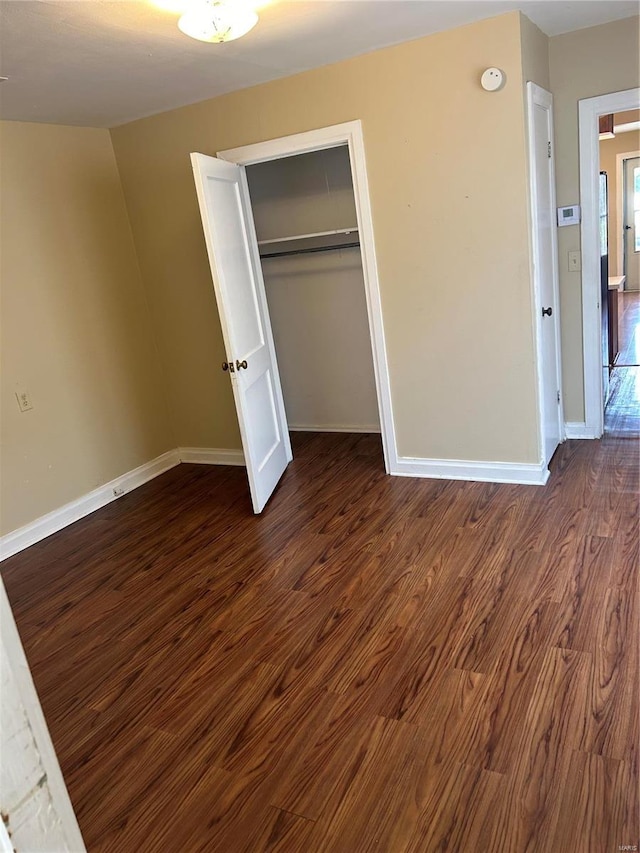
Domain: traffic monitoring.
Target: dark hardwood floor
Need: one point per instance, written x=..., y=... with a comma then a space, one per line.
x=375, y=663
x=622, y=412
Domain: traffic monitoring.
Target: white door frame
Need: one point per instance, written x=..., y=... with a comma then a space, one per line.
x=350, y=134
x=39, y=817
x=589, y=110
x=620, y=204
x=537, y=95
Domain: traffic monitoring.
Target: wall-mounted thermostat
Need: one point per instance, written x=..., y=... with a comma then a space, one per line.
x=569, y=215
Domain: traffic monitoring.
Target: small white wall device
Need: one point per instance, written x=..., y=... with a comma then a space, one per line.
x=493, y=79
x=569, y=215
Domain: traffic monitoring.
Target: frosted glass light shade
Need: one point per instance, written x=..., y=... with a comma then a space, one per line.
x=218, y=20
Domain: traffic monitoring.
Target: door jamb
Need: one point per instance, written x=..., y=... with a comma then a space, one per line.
x=620, y=203
x=350, y=134
x=538, y=95
x=589, y=109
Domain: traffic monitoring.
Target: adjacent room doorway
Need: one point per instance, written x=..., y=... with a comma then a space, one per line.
x=589, y=112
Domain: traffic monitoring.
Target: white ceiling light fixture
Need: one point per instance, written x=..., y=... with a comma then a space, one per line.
x=216, y=21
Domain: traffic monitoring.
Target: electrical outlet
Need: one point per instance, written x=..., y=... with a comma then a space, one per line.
x=24, y=401
x=574, y=262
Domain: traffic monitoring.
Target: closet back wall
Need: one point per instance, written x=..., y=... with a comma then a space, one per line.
x=316, y=301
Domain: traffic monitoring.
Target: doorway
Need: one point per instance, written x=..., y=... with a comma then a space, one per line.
x=619, y=137
x=348, y=135
x=594, y=300
x=305, y=219
x=622, y=412
x=234, y=254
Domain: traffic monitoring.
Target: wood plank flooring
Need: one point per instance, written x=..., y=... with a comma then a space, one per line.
x=375, y=663
x=622, y=413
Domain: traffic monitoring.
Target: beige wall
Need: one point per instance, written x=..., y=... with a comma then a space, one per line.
x=535, y=54
x=76, y=332
x=623, y=143
x=447, y=175
x=583, y=64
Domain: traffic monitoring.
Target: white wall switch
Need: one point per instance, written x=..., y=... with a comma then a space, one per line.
x=24, y=401
x=575, y=264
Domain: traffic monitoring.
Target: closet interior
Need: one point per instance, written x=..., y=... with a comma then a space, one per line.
x=305, y=217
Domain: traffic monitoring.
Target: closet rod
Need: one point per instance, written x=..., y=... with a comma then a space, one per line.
x=345, y=231
x=310, y=249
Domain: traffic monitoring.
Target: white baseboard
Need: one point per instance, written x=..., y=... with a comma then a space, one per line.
x=334, y=428
x=577, y=429
x=210, y=456
x=50, y=523
x=44, y=526
x=450, y=469
x=489, y=472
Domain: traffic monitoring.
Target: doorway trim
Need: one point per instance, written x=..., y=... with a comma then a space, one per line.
x=620, y=204
x=350, y=134
x=589, y=110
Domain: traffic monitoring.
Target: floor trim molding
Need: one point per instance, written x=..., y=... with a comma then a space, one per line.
x=210, y=456
x=484, y=472
x=578, y=429
x=53, y=521
x=357, y=428
x=449, y=469
x=44, y=526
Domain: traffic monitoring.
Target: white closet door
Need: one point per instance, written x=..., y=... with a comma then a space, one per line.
x=237, y=279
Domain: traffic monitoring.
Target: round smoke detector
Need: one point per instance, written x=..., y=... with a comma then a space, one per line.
x=493, y=80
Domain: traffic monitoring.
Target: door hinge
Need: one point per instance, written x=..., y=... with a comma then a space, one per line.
x=549, y=149
x=558, y=398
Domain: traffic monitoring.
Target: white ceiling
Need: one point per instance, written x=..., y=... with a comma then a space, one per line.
x=103, y=63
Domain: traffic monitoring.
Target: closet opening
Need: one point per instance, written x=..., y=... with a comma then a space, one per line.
x=309, y=198
x=289, y=235
x=304, y=212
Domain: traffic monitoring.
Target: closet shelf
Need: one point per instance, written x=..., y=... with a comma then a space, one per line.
x=303, y=244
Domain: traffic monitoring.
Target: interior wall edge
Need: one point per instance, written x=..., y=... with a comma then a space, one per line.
x=171, y=426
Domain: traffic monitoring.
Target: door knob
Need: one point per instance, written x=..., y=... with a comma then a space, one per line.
x=241, y=364
x=547, y=312
x=627, y=228
x=228, y=366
